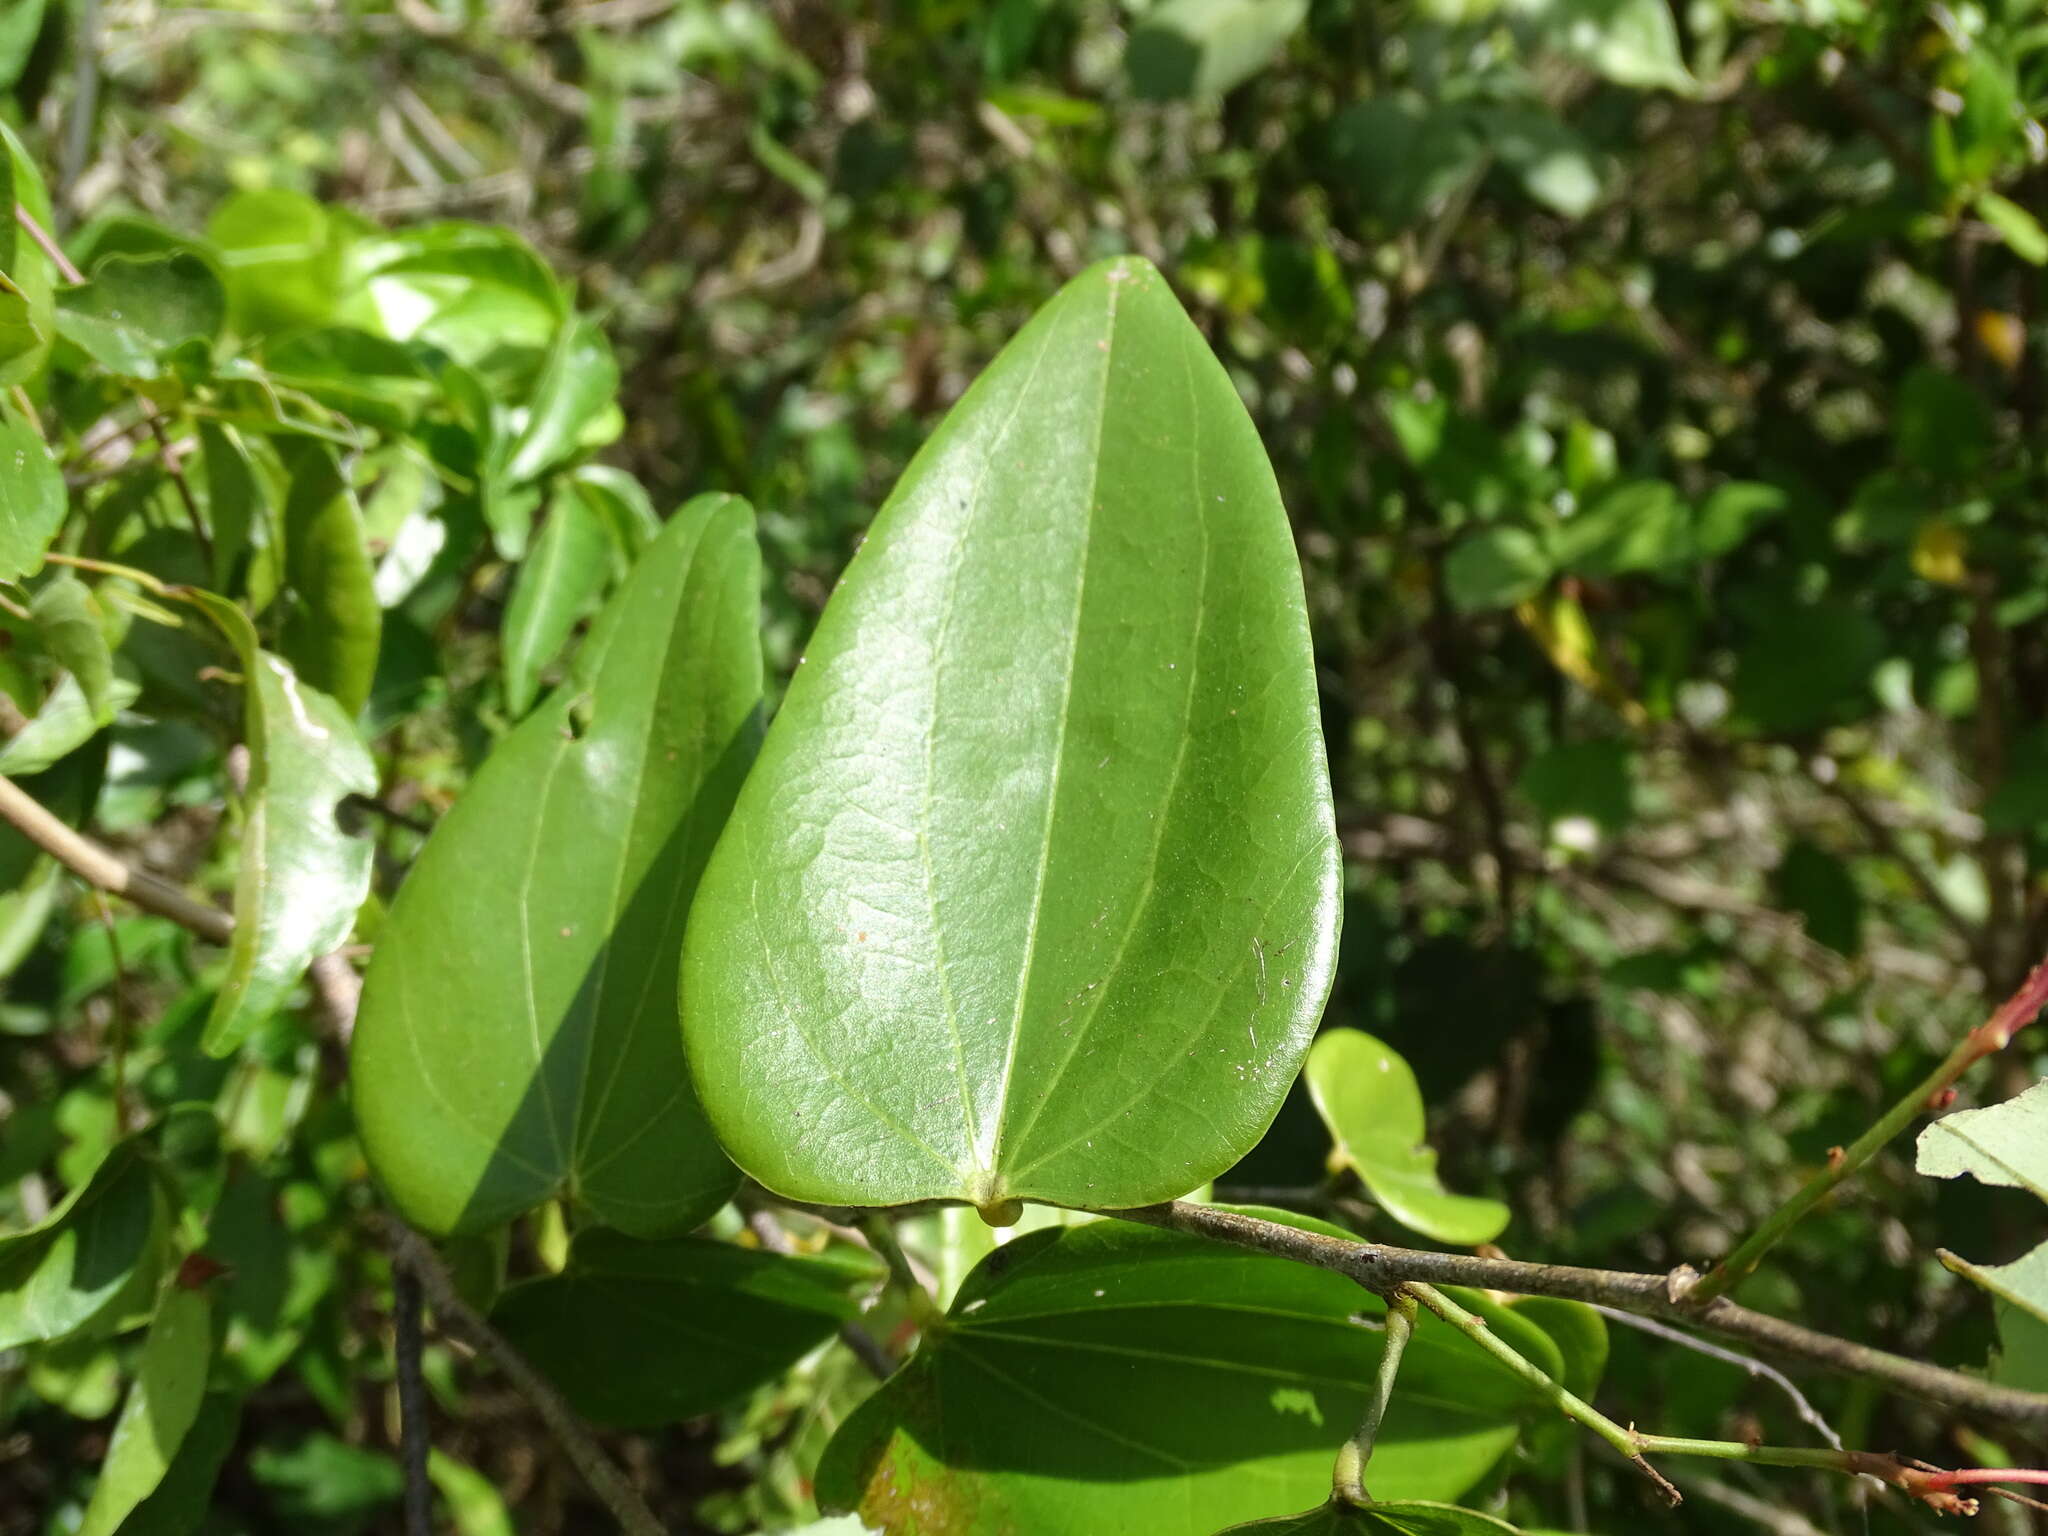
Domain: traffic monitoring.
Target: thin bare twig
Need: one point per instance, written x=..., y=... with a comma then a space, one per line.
x=1746, y=1363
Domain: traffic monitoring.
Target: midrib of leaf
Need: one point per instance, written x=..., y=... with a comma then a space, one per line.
x=1150, y=885
x=978, y=503
x=991, y=1157
x=525, y=925
x=556, y=552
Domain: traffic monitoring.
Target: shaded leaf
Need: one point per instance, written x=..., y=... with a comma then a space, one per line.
x=556, y=582
x=956, y=948
x=302, y=873
x=724, y=1320
x=1184, y=48
x=517, y=1038
x=334, y=623
x=1631, y=42
x=1640, y=526
x=76, y=1266
x=160, y=1409
x=64, y=723
x=1114, y=1378
x=1496, y=567
x=1805, y=666
x=1369, y=1100
x=1818, y=886
x=68, y=621
x=236, y=502
x=183, y=1496
x=1594, y=779
x=32, y=501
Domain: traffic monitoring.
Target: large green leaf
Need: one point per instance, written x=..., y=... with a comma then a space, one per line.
x=1111, y=1378
x=302, y=873
x=517, y=1037
x=334, y=623
x=721, y=1319
x=1033, y=893
x=1408, y=1517
x=1369, y=1100
x=76, y=1267
x=556, y=582
x=32, y=500
x=160, y=1409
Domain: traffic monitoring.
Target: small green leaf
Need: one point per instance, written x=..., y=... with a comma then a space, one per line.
x=1405, y=1517
x=1732, y=512
x=1115, y=1378
x=1205, y=48
x=517, y=1036
x=1369, y=1100
x=556, y=583
x=28, y=312
x=575, y=387
x=282, y=253
x=621, y=503
x=1819, y=887
x=76, y=1266
x=181, y=1500
x=334, y=623
x=726, y=1318
x=160, y=1409
x=2018, y=228
x=1640, y=526
x=302, y=875
x=20, y=25
x=1594, y=779
x=1631, y=42
x=474, y=1505
x=1039, y=851
x=1496, y=567
x=32, y=501
x=68, y=621
x=134, y=311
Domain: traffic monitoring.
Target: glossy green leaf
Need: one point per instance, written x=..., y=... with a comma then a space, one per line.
x=68, y=621
x=1039, y=852
x=1407, y=1517
x=64, y=724
x=161, y=1407
x=1114, y=1378
x=134, y=311
x=517, y=1037
x=236, y=502
x=334, y=623
x=721, y=1319
x=557, y=581
x=470, y=289
x=1495, y=568
x=621, y=504
x=1186, y=48
x=1368, y=1098
x=75, y=1267
x=183, y=1496
x=302, y=873
x=32, y=500
x=572, y=396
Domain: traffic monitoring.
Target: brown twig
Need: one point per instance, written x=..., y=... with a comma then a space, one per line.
x=411, y=1252
x=1379, y=1267
x=97, y=867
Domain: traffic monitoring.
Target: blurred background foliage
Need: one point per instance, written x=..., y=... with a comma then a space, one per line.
x=1657, y=392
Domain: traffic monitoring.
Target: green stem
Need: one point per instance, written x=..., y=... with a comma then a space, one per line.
x=1348, y=1483
x=1572, y=1406
x=881, y=1236
x=1993, y=1035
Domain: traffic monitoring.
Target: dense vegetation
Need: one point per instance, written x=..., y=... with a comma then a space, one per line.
x=412, y=412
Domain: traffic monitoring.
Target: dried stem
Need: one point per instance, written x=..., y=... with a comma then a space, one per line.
x=101, y=869
x=1931, y=1092
x=410, y=1251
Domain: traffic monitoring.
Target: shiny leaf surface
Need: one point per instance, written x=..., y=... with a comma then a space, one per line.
x=75, y=1266
x=32, y=500
x=1033, y=893
x=161, y=1408
x=560, y=576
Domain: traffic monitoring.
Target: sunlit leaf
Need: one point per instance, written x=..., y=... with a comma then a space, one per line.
x=134, y=311
x=1368, y=1098
x=334, y=623
x=557, y=581
x=32, y=500
x=80, y=1263
x=160, y=1409
x=1207, y=47
x=1039, y=852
